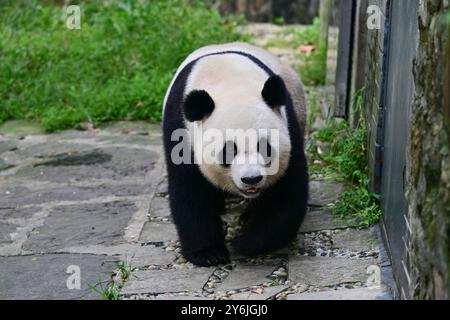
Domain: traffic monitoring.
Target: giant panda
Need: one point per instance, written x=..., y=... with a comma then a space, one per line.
x=235, y=86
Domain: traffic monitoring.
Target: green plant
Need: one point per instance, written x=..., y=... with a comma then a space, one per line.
x=117, y=66
x=125, y=270
x=279, y=21
x=313, y=66
x=314, y=69
x=111, y=291
x=342, y=152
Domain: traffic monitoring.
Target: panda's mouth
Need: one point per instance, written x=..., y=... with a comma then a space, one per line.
x=252, y=191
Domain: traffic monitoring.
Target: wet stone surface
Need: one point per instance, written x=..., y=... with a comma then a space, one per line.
x=44, y=276
x=73, y=198
x=75, y=225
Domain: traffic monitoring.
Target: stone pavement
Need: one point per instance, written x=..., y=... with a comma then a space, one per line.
x=94, y=198
x=72, y=199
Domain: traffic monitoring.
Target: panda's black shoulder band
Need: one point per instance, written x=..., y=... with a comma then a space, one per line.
x=198, y=105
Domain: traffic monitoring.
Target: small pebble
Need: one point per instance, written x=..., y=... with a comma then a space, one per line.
x=258, y=290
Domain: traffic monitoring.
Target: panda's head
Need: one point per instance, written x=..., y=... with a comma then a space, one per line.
x=245, y=145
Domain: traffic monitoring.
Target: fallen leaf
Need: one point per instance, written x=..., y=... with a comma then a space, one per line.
x=307, y=49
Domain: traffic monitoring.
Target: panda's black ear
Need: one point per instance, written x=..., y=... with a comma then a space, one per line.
x=198, y=105
x=275, y=92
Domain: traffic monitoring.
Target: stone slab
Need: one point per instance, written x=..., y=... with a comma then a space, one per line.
x=31, y=193
x=267, y=293
x=323, y=193
x=130, y=139
x=7, y=145
x=84, y=224
x=165, y=281
x=6, y=229
x=356, y=240
x=10, y=212
x=158, y=232
x=319, y=220
x=324, y=271
x=179, y=297
x=4, y=165
x=345, y=294
x=44, y=276
x=159, y=207
x=97, y=163
x=163, y=187
x=150, y=255
x=246, y=275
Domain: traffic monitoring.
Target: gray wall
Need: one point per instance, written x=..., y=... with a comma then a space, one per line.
x=427, y=155
x=428, y=168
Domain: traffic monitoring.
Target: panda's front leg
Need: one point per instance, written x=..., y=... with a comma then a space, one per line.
x=196, y=207
x=274, y=219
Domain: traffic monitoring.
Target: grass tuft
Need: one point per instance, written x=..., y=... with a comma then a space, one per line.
x=110, y=289
x=340, y=151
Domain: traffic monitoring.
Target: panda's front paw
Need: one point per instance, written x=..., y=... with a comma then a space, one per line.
x=247, y=247
x=208, y=257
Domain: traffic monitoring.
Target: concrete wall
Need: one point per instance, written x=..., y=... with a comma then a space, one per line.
x=428, y=168
x=372, y=72
x=428, y=154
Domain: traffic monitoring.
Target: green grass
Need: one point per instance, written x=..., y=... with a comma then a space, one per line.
x=118, y=66
x=110, y=289
x=342, y=154
x=313, y=69
x=107, y=290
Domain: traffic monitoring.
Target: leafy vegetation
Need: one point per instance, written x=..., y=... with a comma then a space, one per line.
x=111, y=291
x=107, y=290
x=117, y=66
x=341, y=152
x=313, y=68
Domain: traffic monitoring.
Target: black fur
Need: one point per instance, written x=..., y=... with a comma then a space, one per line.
x=198, y=105
x=275, y=92
x=273, y=219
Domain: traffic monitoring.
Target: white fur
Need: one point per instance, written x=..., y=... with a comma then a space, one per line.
x=290, y=77
x=235, y=84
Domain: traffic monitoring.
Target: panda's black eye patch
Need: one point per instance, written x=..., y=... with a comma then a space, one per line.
x=228, y=153
x=265, y=150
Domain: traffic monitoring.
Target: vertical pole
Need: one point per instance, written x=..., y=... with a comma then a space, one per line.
x=447, y=77
x=325, y=7
x=347, y=10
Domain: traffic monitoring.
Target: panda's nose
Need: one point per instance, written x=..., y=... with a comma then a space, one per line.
x=252, y=180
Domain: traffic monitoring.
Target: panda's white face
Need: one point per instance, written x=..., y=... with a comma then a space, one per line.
x=246, y=166
x=240, y=96
x=253, y=167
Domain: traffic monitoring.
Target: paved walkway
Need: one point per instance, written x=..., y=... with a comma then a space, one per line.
x=92, y=199
x=85, y=201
